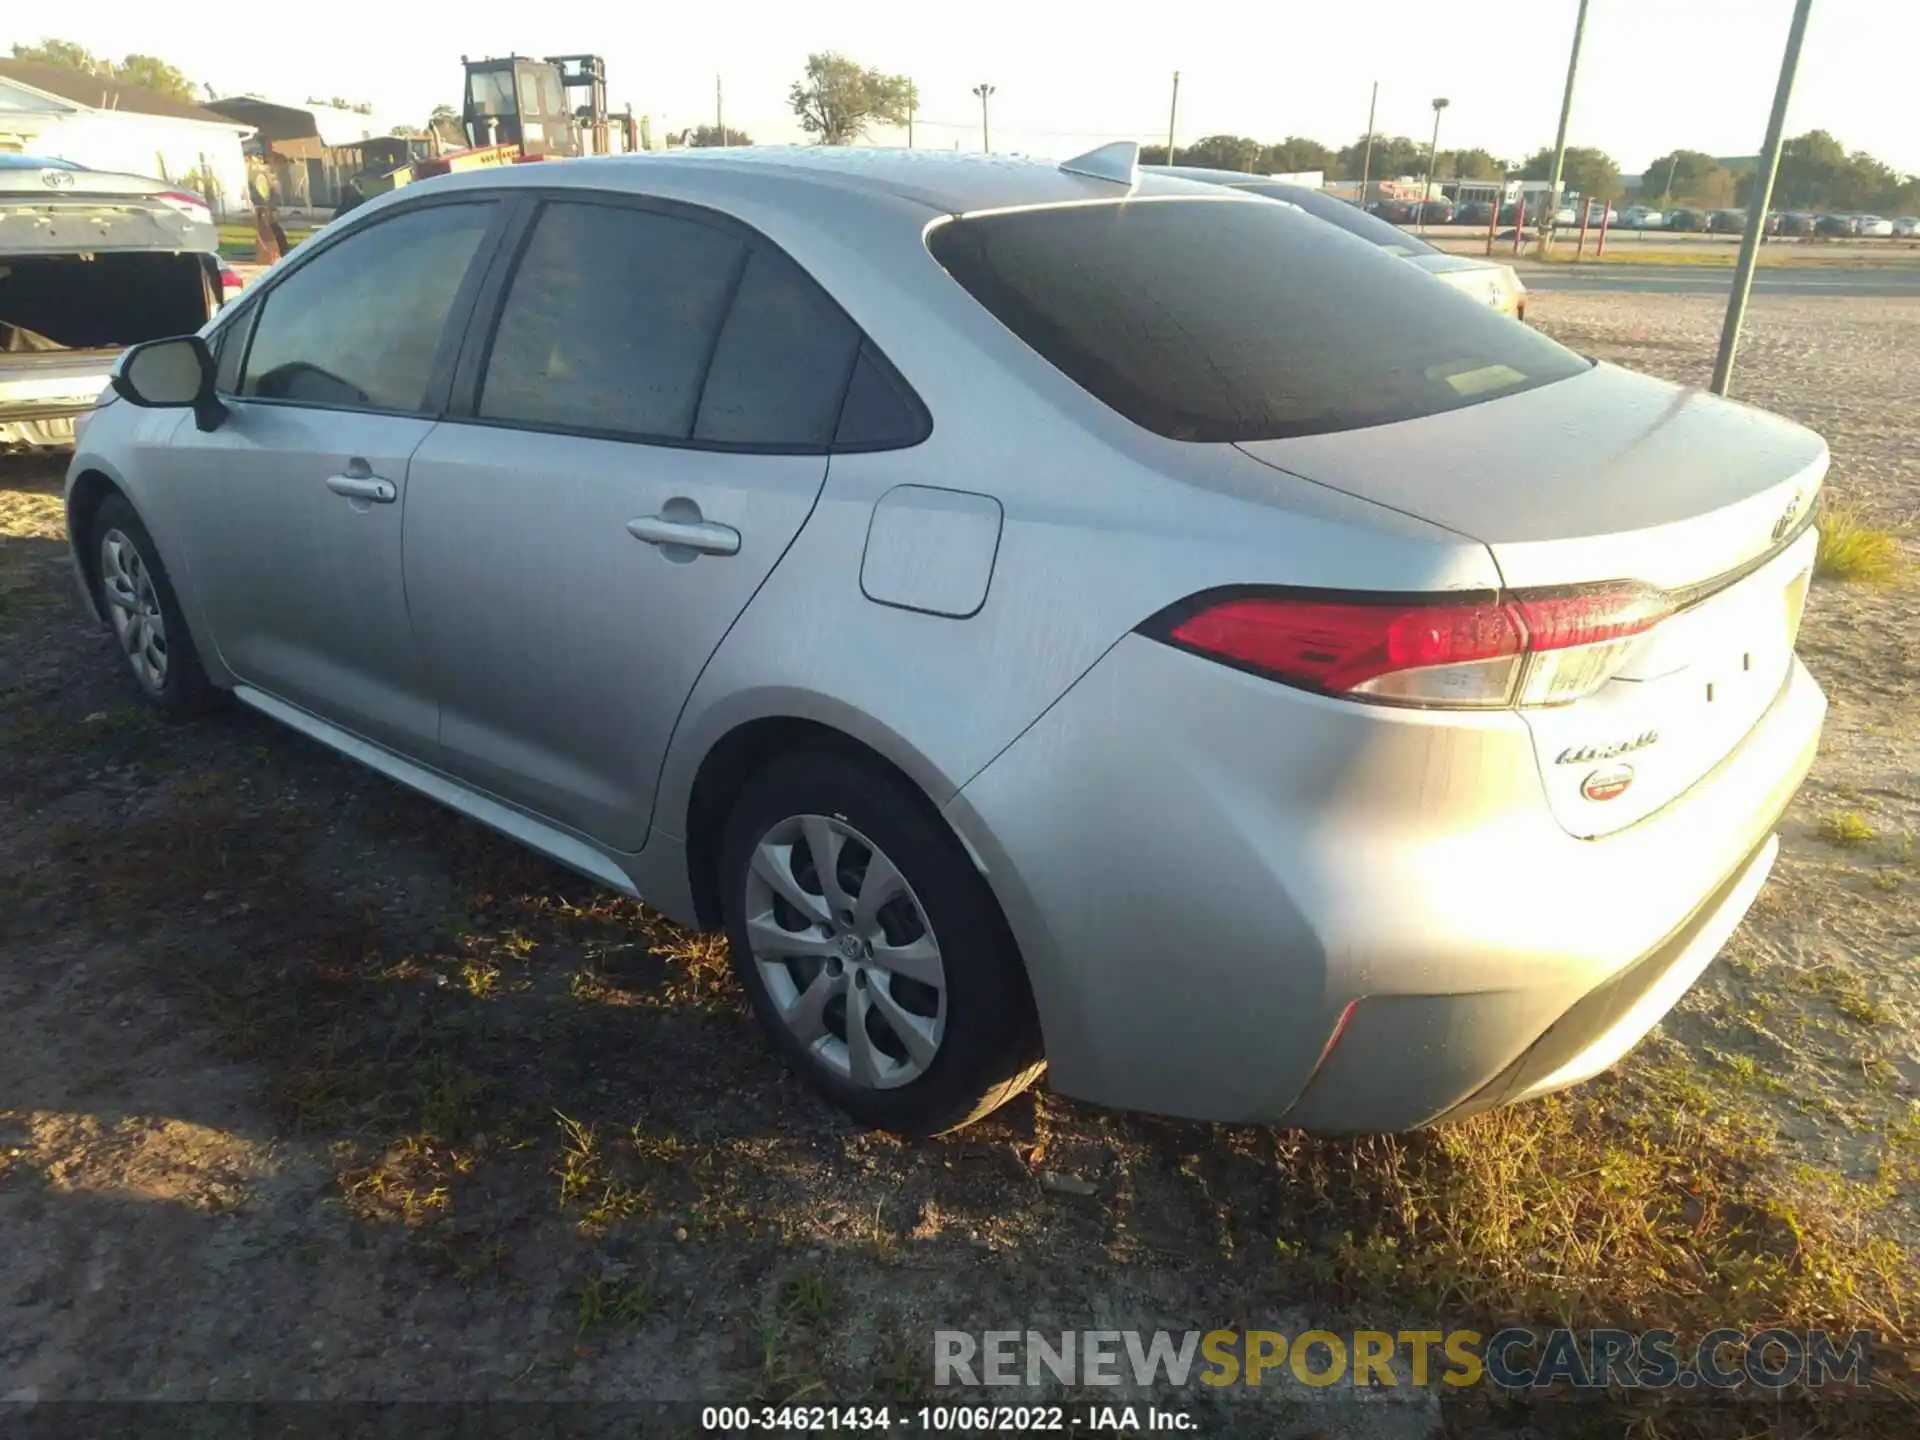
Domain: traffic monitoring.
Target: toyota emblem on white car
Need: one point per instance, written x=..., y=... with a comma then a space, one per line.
x=57, y=179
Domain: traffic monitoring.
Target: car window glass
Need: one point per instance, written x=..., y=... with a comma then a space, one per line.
x=360, y=323
x=1271, y=324
x=529, y=95
x=229, y=349
x=781, y=366
x=609, y=322
x=551, y=100
x=876, y=414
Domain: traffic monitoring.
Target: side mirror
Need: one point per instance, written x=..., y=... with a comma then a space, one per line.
x=170, y=374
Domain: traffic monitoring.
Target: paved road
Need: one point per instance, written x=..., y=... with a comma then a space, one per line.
x=1702, y=280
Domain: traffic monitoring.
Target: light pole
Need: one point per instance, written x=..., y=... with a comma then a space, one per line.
x=983, y=90
x=1366, y=157
x=1440, y=102
x=1560, y=137
x=1757, y=203
x=1173, y=110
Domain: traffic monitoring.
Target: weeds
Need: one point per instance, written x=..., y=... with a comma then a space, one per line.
x=1852, y=550
x=604, y=1304
x=1848, y=829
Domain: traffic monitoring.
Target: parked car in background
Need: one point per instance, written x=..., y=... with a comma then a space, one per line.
x=1394, y=212
x=1473, y=212
x=1642, y=217
x=1872, y=225
x=91, y=261
x=1907, y=226
x=1726, y=222
x=1797, y=223
x=1688, y=221
x=1835, y=225
x=1339, y=759
x=1485, y=280
x=1433, y=212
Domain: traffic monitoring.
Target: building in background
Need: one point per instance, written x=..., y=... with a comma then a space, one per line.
x=109, y=125
x=311, y=151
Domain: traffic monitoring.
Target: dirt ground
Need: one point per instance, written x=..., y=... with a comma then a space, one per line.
x=311, y=1090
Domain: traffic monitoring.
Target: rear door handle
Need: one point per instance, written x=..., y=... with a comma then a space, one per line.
x=363, y=487
x=706, y=536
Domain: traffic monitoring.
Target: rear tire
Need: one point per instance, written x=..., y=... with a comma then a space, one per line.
x=136, y=597
x=893, y=987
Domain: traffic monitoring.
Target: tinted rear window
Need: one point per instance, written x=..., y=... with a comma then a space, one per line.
x=1230, y=320
x=1350, y=218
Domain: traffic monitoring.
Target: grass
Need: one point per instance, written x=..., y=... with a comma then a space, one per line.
x=1853, y=550
x=237, y=241
x=1848, y=829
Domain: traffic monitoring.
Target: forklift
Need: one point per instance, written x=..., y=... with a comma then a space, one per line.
x=529, y=104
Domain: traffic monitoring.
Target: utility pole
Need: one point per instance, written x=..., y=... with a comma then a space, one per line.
x=1440, y=102
x=983, y=90
x=1673, y=168
x=1366, y=158
x=1173, y=111
x=1560, y=137
x=1757, y=203
x=913, y=104
x=719, y=119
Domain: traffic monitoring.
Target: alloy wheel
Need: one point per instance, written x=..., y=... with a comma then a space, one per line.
x=134, y=607
x=845, y=950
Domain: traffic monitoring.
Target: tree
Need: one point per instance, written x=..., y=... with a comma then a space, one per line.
x=1587, y=172
x=1393, y=156
x=64, y=53
x=1469, y=165
x=443, y=114
x=839, y=100
x=1221, y=152
x=152, y=73
x=1687, y=177
x=703, y=136
x=1293, y=155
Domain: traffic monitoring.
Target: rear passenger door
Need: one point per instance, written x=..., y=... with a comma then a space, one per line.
x=640, y=425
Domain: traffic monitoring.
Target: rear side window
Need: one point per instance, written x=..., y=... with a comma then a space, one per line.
x=359, y=325
x=1232, y=320
x=610, y=321
x=781, y=366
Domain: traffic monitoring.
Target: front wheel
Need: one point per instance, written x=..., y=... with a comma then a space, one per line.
x=871, y=949
x=138, y=600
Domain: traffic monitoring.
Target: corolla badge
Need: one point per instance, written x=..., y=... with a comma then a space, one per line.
x=1785, y=522
x=1587, y=754
x=1608, y=783
x=57, y=179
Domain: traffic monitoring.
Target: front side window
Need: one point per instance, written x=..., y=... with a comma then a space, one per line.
x=609, y=322
x=1225, y=320
x=490, y=92
x=359, y=325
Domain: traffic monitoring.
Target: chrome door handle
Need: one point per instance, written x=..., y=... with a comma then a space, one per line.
x=706, y=536
x=363, y=487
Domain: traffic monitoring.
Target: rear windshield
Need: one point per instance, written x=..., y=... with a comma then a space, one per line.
x=1350, y=218
x=1237, y=320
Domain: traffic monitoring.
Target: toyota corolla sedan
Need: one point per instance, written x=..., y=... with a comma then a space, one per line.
x=1042, y=614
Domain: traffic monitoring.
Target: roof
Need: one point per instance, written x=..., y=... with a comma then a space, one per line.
x=97, y=92
x=328, y=124
x=949, y=182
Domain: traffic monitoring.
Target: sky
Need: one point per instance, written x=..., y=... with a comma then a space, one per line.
x=1654, y=74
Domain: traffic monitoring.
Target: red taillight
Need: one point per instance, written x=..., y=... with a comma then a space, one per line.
x=230, y=281
x=193, y=206
x=1533, y=648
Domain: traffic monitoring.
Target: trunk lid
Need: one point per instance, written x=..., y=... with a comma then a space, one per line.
x=59, y=211
x=1613, y=476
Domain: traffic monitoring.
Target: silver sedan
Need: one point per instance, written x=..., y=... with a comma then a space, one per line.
x=1043, y=614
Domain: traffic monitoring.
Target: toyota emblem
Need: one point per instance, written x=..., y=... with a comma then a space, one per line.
x=57, y=179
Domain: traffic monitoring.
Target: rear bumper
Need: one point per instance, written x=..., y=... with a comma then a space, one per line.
x=1240, y=902
x=51, y=387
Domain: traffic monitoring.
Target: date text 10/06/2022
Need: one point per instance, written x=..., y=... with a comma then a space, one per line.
x=935, y=1419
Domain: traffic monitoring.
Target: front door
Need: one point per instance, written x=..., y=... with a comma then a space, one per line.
x=293, y=508
x=647, y=434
